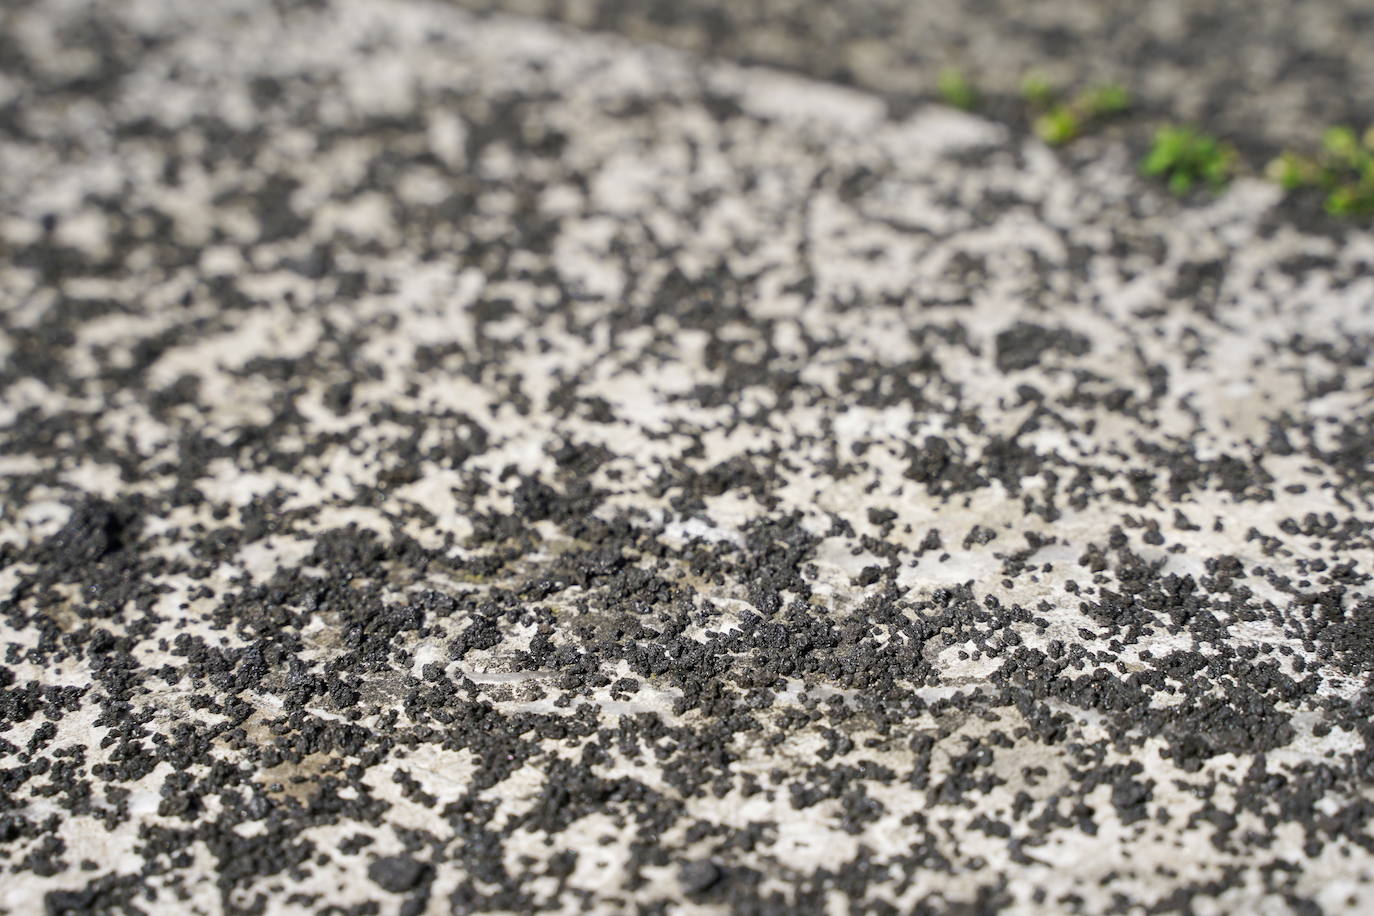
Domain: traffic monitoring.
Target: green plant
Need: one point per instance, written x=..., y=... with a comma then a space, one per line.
x=956, y=90
x=1062, y=123
x=1355, y=199
x=1344, y=170
x=1038, y=91
x=1342, y=145
x=1106, y=100
x=1186, y=157
x=1292, y=171
x=1058, y=126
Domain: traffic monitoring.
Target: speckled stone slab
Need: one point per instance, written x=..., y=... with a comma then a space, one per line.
x=1259, y=71
x=459, y=465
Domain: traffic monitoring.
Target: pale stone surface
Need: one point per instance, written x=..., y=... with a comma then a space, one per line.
x=465, y=465
x=1268, y=71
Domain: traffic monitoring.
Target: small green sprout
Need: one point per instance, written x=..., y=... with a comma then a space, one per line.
x=1104, y=101
x=1342, y=145
x=1038, y=91
x=1344, y=170
x=1186, y=157
x=1058, y=126
x=1350, y=200
x=1354, y=198
x=1292, y=171
x=956, y=90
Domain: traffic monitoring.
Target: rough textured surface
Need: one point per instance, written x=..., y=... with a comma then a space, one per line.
x=462, y=466
x=1262, y=71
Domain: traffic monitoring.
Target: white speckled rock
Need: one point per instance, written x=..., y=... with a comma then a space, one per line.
x=460, y=465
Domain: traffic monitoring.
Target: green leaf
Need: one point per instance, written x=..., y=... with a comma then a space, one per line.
x=1184, y=157
x=1292, y=171
x=1037, y=90
x=1341, y=143
x=1106, y=100
x=1340, y=202
x=1058, y=126
x=956, y=90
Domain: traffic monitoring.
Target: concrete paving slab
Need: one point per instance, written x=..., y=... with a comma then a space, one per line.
x=458, y=464
x=1270, y=72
